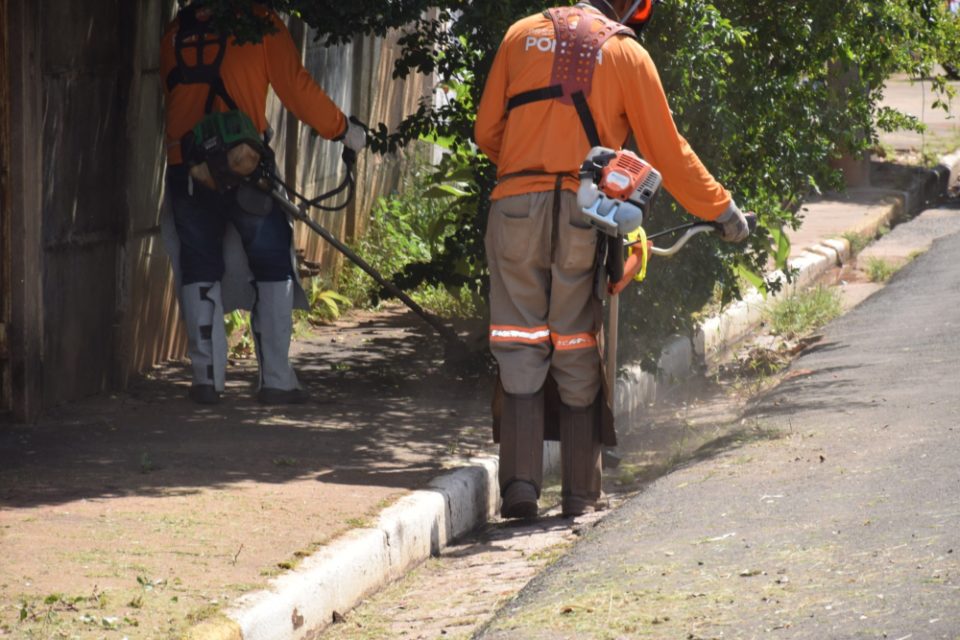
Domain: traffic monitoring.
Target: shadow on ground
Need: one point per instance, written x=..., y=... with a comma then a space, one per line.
x=384, y=410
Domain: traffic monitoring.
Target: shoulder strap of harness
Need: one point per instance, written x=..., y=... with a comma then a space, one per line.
x=580, y=35
x=199, y=35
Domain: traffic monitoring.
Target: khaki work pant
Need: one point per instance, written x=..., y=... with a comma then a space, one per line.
x=544, y=316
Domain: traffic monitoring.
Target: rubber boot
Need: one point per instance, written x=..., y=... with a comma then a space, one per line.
x=521, y=454
x=580, y=458
x=202, y=309
x=272, y=324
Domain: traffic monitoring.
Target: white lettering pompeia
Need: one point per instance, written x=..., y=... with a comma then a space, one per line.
x=546, y=44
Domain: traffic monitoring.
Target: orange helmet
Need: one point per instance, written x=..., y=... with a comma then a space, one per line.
x=639, y=14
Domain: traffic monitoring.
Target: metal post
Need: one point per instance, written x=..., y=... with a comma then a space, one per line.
x=613, y=321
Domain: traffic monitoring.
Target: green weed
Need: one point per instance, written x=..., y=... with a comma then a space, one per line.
x=879, y=270
x=239, y=334
x=358, y=523
x=326, y=304
x=805, y=311
x=857, y=241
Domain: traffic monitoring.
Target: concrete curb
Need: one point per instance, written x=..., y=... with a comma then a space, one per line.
x=300, y=604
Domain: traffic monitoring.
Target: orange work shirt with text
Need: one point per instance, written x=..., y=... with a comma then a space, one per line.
x=248, y=70
x=547, y=136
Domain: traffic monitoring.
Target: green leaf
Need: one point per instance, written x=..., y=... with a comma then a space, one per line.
x=755, y=279
x=445, y=191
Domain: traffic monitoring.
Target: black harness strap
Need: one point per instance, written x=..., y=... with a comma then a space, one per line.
x=556, y=91
x=535, y=95
x=200, y=73
x=586, y=118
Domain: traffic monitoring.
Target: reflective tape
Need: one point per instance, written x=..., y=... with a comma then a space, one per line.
x=573, y=342
x=535, y=335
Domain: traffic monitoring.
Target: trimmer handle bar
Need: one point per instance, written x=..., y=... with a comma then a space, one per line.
x=690, y=230
x=635, y=262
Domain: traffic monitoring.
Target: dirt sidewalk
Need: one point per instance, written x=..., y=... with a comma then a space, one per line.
x=138, y=514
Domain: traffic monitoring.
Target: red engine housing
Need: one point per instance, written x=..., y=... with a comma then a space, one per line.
x=623, y=174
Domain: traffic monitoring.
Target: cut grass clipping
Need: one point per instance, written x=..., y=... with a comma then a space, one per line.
x=804, y=312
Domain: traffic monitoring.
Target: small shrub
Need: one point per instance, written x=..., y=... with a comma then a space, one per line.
x=409, y=227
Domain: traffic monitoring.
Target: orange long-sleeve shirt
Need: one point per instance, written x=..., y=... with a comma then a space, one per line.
x=626, y=95
x=247, y=71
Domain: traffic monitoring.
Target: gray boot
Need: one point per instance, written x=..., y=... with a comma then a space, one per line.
x=202, y=309
x=272, y=324
x=580, y=458
x=521, y=454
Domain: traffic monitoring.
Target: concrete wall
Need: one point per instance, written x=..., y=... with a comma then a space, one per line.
x=91, y=295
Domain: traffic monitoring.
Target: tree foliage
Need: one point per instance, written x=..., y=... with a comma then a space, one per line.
x=767, y=93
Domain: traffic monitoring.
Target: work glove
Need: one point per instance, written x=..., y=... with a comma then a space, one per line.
x=355, y=137
x=734, y=224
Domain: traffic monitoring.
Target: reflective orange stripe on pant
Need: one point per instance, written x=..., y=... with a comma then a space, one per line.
x=573, y=342
x=538, y=335
x=522, y=335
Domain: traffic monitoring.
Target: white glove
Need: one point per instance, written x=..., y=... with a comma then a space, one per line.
x=734, y=223
x=355, y=137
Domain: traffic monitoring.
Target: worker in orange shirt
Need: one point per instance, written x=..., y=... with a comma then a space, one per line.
x=224, y=256
x=563, y=82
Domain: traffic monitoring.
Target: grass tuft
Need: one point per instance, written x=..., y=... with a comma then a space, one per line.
x=804, y=312
x=879, y=270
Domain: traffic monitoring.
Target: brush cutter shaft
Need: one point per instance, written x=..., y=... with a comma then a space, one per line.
x=302, y=216
x=691, y=232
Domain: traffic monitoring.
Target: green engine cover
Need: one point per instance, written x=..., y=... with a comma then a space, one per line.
x=226, y=130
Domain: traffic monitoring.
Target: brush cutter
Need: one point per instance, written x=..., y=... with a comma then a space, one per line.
x=641, y=247
x=456, y=350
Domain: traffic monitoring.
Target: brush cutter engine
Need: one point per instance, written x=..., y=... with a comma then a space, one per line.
x=617, y=190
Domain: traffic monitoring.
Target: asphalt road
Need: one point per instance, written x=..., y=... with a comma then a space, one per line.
x=834, y=513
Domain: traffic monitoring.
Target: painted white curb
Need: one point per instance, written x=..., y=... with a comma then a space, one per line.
x=301, y=603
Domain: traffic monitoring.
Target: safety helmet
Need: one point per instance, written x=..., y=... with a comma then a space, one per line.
x=636, y=16
x=639, y=14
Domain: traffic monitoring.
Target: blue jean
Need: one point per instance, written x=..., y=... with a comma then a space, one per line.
x=201, y=221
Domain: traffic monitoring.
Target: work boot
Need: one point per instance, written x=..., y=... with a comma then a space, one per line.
x=521, y=454
x=202, y=311
x=580, y=459
x=272, y=323
x=266, y=395
x=203, y=394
